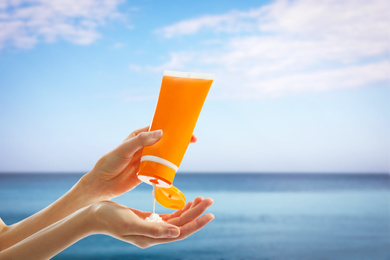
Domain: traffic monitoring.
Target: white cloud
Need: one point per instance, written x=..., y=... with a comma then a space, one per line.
x=231, y=22
x=23, y=23
x=347, y=77
x=290, y=47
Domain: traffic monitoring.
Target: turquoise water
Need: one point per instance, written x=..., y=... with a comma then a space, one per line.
x=263, y=216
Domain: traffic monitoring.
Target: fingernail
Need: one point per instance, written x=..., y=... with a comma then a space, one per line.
x=173, y=232
x=157, y=133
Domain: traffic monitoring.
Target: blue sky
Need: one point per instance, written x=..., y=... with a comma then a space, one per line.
x=301, y=86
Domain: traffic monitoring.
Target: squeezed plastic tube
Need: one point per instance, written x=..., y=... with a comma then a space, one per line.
x=180, y=101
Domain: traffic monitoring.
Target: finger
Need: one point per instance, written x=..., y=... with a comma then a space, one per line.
x=130, y=146
x=197, y=200
x=130, y=172
x=177, y=213
x=133, y=166
x=194, y=138
x=137, y=156
x=194, y=226
x=154, y=230
x=184, y=209
x=185, y=231
x=136, y=132
x=192, y=213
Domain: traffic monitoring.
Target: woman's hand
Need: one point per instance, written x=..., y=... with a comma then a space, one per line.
x=112, y=219
x=116, y=172
x=65, y=219
x=130, y=225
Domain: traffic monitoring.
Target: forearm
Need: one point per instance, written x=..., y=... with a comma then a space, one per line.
x=53, y=239
x=75, y=199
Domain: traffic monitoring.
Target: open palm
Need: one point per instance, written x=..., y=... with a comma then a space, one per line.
x=130, y=225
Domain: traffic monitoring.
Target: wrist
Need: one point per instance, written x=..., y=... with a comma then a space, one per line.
x=97, y=218
x=87, y=189
x=91, y=223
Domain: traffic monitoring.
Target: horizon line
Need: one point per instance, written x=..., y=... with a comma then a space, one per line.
x=200, y=172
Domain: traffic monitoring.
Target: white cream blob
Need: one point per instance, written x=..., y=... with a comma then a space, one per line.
x=155, y=218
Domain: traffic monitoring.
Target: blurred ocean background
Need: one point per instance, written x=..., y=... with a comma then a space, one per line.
x=300, y=86
x=258, y=216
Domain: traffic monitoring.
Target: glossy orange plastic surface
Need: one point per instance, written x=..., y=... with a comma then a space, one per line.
x=178, y=107
x=171, y=198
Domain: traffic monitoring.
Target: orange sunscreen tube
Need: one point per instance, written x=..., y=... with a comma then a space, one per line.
x=181, y=98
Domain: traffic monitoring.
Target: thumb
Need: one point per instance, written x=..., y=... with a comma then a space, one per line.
x=130, y=146
x=155, y=230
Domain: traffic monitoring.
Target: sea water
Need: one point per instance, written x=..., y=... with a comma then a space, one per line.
x=257, y=216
